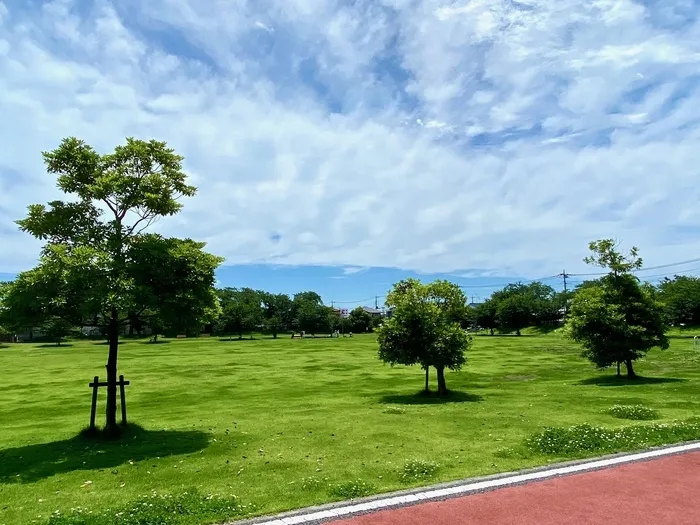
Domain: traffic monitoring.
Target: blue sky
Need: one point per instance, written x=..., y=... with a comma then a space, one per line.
x=474, y=138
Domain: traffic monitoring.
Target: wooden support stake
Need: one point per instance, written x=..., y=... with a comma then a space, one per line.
x=123, y=398
x=93, y=409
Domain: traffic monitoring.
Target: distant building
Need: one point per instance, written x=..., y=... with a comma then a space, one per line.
x=374, y=312
x=342, y=312
x=474, y=305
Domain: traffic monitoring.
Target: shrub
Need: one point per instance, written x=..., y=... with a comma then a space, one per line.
x=352, y=489
x=160, y=509
x=636, y=412
x=510, y=453
x=586, y=438
x=310, y=483
x=416, y=470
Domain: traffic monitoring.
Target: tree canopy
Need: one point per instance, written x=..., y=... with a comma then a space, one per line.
x=424, y=328
x=616, y=320
x=681, y=297
x=360, y=320
x=98, y=266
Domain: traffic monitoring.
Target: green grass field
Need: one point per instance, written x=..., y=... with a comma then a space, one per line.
x=280, y=423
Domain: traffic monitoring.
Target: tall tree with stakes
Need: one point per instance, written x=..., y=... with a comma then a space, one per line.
x=98, y=266
x=615, y=319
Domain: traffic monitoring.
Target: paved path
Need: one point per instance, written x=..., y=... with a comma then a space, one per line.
x=655, y=492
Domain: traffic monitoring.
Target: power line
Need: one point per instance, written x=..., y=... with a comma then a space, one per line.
x=359, y=301
x=660, y=266
x=564, y=275
x=527, y=281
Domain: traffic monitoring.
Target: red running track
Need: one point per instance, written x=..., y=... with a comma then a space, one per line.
x=656, y=492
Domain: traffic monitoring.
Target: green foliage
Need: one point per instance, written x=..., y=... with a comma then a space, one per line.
x=515, y=313
x=418, y=470
x=518, y=306
x=635, y=412
x=352, y=489
x=616, y=320
x=360, y=321
x=311, y=483
x=425, y=327
x=309, y=314
x=486, y=315
x=188, y=508
x=681, y=298
x=97, y=266
x=241, y=310
x=605, y=253
x=580, y=439
x=277, y=312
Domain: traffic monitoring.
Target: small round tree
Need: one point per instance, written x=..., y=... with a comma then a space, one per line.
x=616, y=320
x=425, y=328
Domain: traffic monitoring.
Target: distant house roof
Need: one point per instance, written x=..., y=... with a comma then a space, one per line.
x=474, y=305
x=370, y=310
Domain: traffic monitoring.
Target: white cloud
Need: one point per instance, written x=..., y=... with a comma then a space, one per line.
x=292, y=119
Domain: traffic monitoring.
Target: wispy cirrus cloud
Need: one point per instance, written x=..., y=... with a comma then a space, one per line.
x=431, y=136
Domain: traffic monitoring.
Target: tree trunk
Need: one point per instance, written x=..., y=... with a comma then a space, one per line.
x=442, y=386
x=630, y=370
x=618, y=369
x=517, y=332
x=491, y=331
x=427, y=376
x=111, y=422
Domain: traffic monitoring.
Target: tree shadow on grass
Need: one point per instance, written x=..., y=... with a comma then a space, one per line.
x=158, y=342
x=54, y=345
x=495, y=335
x=430, y=398
x=35, y=462
x=105, y=343
x=624, y=381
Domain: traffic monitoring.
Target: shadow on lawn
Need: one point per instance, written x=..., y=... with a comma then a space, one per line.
x=430, y=398
x=54, y=345
x=35, y=462
x=624, y=381
x=521, y=336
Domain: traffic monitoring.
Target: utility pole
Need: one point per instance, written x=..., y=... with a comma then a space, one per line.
x=376, y=303
x=564, y=276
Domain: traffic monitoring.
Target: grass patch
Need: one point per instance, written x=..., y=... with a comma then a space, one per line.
x=635, y=412
x=255, y=419
x=311, y=483
x=352, y=489
x=188, y=508
x=581, y=439
x=418, y=470
x=395, y=410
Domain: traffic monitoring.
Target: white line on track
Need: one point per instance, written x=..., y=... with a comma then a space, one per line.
x=346, y=510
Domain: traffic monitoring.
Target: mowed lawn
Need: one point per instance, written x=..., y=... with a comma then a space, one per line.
x=255, y=418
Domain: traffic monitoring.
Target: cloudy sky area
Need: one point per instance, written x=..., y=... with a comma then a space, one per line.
x=471, y=138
